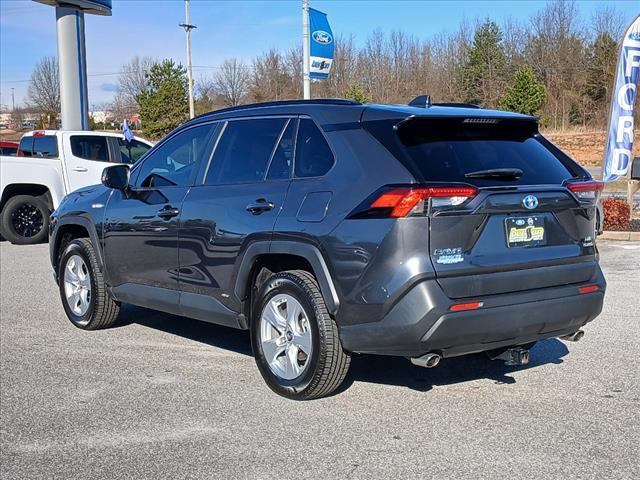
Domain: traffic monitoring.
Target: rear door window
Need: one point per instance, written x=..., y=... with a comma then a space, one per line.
x=90, y=147
x=282, y=160
x=314, y=158
x=447, y=149
x=45, y=146
x=244, y=150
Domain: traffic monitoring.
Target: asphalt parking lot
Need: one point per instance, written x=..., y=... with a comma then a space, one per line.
x=167, y=397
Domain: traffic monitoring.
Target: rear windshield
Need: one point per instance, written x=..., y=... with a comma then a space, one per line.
x=11, y=151
x=39, y=146
x=447, y=149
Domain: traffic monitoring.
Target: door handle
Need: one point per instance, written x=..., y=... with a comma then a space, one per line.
x=80, y=169
x=260, y=206
x=168, y=212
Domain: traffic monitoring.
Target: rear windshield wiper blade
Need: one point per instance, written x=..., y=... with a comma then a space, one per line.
x=497, y=173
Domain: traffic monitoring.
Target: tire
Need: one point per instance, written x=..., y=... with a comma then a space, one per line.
x=25, y=220
x=325, y=367
x=97, y=309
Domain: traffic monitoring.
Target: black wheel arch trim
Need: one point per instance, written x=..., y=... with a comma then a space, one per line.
x=307, y=251
x=55, y=238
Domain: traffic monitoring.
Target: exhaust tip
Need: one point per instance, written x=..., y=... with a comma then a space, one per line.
x=573, y=337
x=428, y=360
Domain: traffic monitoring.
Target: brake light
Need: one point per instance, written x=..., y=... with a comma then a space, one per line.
x=407, y=200
x=586, y=190
x=39, y=133
x=461, y=307
x=589, y=289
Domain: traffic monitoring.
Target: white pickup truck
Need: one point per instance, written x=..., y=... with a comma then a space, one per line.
x=49, y=165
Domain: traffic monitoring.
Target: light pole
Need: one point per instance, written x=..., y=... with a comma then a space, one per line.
x=187, y=28
x=13, y=100
x=72, y=57
x=306, y=81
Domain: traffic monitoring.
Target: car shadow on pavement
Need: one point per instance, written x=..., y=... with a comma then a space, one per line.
x=364, y=368
x=211, y=334
x=399, y=371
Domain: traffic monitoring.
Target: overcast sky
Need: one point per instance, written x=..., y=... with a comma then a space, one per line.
x=241, y=29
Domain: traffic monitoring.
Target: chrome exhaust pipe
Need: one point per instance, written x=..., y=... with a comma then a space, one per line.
x=573, y=337
x=428, y=360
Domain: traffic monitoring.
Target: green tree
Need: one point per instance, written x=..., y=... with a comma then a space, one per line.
x=356, y=92
x=483, y=74
x=601, y=66
x=525, y=94
x=164, y=103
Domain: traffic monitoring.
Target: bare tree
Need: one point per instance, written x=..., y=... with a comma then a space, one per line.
x=206, y=95
x=555, y=49
x=43, y=93
x=131, y=82
x=269, y=77
x=607, y=19
x=232, y=81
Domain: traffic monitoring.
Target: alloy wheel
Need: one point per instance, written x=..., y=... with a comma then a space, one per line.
x=77, y=285
x=285, y=337
x=27, y=220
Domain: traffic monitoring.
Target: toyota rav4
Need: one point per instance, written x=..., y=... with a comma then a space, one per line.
x=329, y=228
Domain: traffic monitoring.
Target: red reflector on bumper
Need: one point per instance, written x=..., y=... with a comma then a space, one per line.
x=459, y=307
x=589, y=289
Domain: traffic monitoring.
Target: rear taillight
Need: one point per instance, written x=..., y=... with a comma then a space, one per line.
x=589, y=289
x=586, y=190
x=407, y=201
x=462, y=307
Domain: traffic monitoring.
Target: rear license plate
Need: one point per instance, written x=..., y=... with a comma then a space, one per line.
x=525, y=231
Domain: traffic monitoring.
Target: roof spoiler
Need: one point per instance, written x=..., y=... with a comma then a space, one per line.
x=424, y=101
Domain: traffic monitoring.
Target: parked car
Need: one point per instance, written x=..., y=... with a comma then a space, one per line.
x=8, y=148
x=329, y=228
x=54, y=164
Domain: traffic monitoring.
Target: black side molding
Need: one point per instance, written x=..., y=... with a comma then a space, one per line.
x=307, y=251
x=187, y=304
x=54, y=240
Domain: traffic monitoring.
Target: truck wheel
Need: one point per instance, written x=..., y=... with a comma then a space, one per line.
x=295, y=341
x=82, y=288
x=25, y=220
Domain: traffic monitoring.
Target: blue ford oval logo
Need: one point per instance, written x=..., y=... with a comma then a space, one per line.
x=322, y=37
x=530, y=202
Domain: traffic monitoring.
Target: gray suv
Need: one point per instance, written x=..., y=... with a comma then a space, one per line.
x=329, y=228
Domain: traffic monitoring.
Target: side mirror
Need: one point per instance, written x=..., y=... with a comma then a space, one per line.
x=116, y=176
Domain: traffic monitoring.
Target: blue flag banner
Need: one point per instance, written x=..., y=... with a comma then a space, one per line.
x=126, y=131
x=619, y=149
x=320, y=45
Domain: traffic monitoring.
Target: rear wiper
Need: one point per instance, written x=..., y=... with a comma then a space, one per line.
x=497, y=173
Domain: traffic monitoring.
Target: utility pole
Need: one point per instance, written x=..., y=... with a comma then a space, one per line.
x=13, y=100
x=187, y=28
x=306, y=81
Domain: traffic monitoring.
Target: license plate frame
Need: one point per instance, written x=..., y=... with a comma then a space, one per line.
x=527, y=231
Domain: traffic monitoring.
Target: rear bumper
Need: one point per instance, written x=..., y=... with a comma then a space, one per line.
x=421, y=321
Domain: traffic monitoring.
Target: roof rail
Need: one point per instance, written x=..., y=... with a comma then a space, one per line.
x=314, y=101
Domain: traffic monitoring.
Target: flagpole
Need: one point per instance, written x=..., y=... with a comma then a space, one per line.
x=306, y=82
